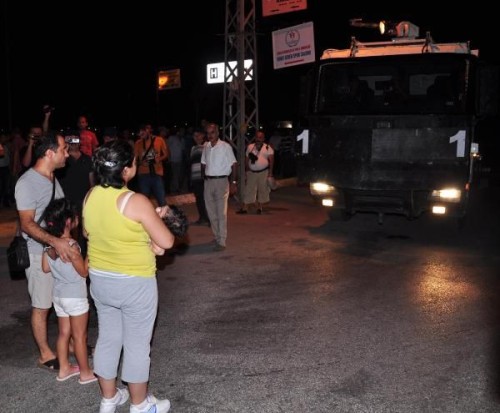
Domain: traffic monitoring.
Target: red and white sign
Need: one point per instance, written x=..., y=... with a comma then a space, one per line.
x=271, y=7
x=294, y=46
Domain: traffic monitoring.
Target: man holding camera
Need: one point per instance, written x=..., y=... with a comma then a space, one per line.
x=25, y=156
x=150, y=152
x=76, y=179
x=259, y=163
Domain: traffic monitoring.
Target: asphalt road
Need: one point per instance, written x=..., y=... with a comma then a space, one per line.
x=300, y=314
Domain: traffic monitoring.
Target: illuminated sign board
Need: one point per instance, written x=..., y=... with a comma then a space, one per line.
x=169, y=79
x=215, y=71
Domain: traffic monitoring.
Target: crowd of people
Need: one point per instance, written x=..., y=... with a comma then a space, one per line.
x=171, y=154
x=92, y=213
x=172, y=162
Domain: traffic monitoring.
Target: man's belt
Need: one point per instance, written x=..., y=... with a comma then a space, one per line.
x=261, y=170
x=216, y=177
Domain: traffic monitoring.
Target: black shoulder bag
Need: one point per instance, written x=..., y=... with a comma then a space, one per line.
x=147, y=156
x=17, y=253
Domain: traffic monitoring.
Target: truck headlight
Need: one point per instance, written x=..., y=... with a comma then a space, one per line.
x=321, y=189
x=447, y=194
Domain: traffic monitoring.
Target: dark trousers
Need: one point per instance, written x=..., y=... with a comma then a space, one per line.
x=5, y=186
x=198, y=189
x=148, y=184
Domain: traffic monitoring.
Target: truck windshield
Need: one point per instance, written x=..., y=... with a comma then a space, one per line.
x=416, y=84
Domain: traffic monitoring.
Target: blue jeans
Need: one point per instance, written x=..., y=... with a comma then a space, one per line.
x=148, y=184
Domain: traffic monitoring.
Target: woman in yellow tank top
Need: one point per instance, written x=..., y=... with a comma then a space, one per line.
x=125, y=233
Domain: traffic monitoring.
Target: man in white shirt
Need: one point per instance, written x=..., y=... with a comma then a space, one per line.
x=219, y=169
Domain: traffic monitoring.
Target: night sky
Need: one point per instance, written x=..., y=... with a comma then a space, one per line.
x=104, y=63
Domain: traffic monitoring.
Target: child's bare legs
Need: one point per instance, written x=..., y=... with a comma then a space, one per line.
x=79, y=334
x=63, y=346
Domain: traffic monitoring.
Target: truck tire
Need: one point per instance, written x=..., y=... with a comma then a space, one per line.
x=339, y=214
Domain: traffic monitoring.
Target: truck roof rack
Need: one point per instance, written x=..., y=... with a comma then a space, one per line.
x=398, y=46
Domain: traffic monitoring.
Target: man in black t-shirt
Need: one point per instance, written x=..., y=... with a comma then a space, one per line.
x=76, y=178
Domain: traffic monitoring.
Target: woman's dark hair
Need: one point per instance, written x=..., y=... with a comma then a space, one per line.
x=49, y=140
x=108, y=163
x=57, y=213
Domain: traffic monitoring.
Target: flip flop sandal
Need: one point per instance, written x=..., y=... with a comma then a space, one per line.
x=52, y=365
x=92, y=380
x=74, y=371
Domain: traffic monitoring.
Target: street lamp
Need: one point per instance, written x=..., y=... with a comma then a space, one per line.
x=402, y=29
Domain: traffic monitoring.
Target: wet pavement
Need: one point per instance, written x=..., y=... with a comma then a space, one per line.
x=300, y=314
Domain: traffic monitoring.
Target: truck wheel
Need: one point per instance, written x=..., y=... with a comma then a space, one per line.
x=339, y=215
x=461, y=222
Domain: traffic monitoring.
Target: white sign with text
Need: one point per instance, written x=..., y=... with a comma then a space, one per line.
x=294, y=46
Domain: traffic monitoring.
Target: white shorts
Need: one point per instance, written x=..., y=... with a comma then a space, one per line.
x=66, y=307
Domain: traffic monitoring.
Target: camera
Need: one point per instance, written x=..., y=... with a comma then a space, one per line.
x=72, y=139
x=252, y=157
x=151, y=165
x=150, y=159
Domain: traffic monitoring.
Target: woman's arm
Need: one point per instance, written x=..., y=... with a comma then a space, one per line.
x=140, y=209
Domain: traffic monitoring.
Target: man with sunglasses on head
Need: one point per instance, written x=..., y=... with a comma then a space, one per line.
x=33, y=193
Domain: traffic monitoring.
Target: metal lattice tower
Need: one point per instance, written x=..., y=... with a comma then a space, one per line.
x=240, y=102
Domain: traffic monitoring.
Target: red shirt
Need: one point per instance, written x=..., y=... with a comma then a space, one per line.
x=88, y=142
